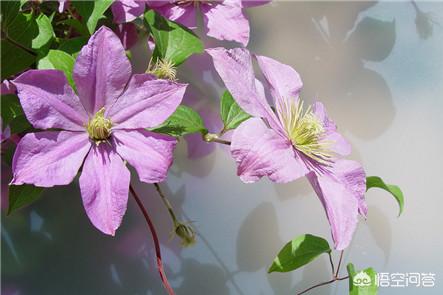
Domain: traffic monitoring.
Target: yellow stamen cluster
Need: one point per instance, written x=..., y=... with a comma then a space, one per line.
x=305, y=130
x=163, y=69
x=99, y=127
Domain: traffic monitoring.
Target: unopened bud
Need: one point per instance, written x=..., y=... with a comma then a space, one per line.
x=186, y=234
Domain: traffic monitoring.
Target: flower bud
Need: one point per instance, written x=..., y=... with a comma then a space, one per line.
x=186, y=234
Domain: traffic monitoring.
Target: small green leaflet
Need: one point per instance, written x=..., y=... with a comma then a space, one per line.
x=231, y=113
x=395, y=191
x=24, y=38
x=299, y=252
x=183, y=121
x=92, y=11
x=22, y=195
x=45, y=35
x=59, y=60
x=362, y=282
x=173, y=42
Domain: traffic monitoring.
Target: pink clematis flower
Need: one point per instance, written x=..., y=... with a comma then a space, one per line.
x=223, y=19
x=127, y=10
x=98, y=130
x=291, y=142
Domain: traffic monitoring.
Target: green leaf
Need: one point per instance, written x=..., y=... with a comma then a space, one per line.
x=9, y=10
x=22, y=30
x=92, y=11
x=231, y=113
x=375, y=181
x=362, y=282
x=22, y=195
x=81, y=28
x=173, y=41
x=45, y=33
x=183, y=121
x=59, y=60
x=12, y=114
x=74, y=45
x=298, y=252
x=14, y=59
x=18, y=31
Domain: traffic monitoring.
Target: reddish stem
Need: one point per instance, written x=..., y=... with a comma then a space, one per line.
x=158, y=254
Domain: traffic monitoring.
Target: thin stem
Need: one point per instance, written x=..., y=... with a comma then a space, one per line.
x=166, y=203
x=335, y=275
x=222, y=141
x=323, y=284
x=316, y=286
x=343, y=278
x=332, y=263
x=339, y=263
x=158, y=254
x=212, y=137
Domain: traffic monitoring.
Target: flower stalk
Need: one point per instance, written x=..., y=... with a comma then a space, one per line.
x=335, y=276
x=158, y=254
x=212, y=137
x=184, y=231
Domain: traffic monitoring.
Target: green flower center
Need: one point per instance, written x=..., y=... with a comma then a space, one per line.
x=99, y=127
x=305, y=130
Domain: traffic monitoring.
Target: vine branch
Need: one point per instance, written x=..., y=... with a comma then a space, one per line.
x=155, y=239
x=334, y=275
x=212, y=137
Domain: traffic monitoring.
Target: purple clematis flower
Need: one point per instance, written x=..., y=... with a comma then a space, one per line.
x=99, y=129
x=291, y=142
x=127, y=10
x=223, y=19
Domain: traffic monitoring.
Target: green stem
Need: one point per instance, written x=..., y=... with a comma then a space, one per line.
x=339, y=263
x=167, y=204
x=334, y=274
x=158, y=254
x=212, y=137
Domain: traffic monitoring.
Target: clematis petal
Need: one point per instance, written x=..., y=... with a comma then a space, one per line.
x=7, y=88
x=226, y=21
x=183, y=14
x=101, y=71
x=128, y=34
x=48, y=101
x=62, y=5
x=104, y=185
x=342, y=194
x=148, y=152
x=127, y=10
x=351, y=173
x=259, y=151
x=146, y=102
x=235, y=68
x=284, y=81
x=339, y=144
x=49, y=158
x=253, y=3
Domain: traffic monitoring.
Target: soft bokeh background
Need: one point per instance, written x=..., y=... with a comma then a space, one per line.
x=378, y=68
